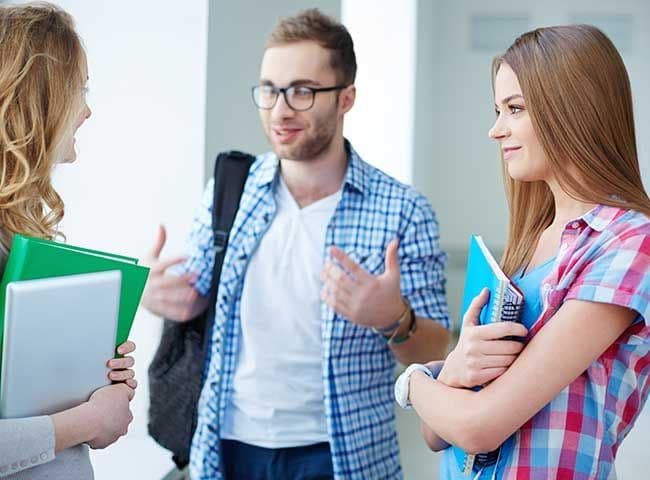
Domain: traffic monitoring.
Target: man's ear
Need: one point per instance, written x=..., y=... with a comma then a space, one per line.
x=346, y=99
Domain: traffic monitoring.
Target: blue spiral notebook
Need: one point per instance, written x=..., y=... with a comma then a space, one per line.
x=506, y=300
x=506, y=303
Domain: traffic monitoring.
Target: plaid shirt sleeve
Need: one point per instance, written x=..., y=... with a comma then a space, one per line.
x=200, y=251
x=619, y=275
x=422, y=263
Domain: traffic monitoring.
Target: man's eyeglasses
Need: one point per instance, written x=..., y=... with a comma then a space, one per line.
x=298, y=98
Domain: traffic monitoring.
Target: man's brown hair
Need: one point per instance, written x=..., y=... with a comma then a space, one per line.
x=313, y=25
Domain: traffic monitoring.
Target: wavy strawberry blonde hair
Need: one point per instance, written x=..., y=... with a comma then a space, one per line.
x=41, y=84
x=579, y=98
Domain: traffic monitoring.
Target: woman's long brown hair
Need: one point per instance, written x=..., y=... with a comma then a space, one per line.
x=578, y=95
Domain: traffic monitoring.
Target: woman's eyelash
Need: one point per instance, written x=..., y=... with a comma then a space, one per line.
x=513, y=109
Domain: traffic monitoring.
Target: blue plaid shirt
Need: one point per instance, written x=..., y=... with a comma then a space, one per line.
x=357, y=364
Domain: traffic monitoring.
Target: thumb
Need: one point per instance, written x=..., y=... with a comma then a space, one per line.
x=473, y=312
x=130, y=393
x=154, y=253
x=392, y=260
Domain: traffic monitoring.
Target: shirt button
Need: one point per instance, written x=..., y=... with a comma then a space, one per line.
x=575, y=225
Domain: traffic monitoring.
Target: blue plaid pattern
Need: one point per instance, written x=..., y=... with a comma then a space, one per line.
x=357, y=364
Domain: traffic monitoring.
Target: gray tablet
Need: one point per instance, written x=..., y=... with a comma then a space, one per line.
x=58, y=335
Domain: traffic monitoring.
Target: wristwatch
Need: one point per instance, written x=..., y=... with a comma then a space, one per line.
x=402, y=384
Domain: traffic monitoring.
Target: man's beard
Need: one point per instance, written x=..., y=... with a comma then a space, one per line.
x=311, y=146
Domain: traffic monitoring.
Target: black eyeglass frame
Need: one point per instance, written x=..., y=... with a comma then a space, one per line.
x=284, y=90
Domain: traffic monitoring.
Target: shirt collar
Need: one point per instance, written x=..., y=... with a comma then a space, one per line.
x=268, y=169
x=598, y=218
x=357, y=174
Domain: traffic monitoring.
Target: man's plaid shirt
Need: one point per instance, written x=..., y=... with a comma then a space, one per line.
x=357, y=364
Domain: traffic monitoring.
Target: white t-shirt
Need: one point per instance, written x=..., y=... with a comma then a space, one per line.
x=278, y=394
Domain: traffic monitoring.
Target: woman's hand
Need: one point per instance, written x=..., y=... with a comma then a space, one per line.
x=480, y=355
x=110, y=414
x=106, y=415
x=122, y=368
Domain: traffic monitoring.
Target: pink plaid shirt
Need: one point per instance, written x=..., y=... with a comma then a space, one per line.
x=604, y=257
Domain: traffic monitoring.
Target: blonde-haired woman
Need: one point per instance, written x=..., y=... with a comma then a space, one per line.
x=43, y=74
x=579, y=248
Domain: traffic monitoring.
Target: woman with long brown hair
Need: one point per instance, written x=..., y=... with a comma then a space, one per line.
x=579, y=249
x=43, y=75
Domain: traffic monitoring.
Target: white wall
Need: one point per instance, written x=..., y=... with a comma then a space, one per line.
x=380, y=126
x=140, y=162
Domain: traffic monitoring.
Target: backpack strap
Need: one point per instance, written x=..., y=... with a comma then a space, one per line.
x=230, y=173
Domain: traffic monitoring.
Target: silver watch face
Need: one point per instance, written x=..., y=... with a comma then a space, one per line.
x=402, y=388
x=399, y=390
x=402, y=384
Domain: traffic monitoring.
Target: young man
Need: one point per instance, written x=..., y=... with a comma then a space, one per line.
x=328, y=258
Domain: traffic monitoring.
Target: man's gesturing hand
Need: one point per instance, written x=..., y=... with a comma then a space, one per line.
x=363, y=298
x=167, y=295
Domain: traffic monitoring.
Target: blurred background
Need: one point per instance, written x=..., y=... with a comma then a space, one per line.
x=170, y=88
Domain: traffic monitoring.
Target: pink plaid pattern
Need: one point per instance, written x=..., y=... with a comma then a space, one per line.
x=605, y=257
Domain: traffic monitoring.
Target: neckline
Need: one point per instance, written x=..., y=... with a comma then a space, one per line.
x=525, y=273
x=285, y=193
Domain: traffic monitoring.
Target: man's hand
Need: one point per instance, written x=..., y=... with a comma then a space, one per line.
x=481, y=355
x=167, y=295
x=365, y=299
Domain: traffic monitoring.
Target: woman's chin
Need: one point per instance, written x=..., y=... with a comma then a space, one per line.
x=70, y=157
x=521, y=175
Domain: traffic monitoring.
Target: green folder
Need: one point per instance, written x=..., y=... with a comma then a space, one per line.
x=34, y=258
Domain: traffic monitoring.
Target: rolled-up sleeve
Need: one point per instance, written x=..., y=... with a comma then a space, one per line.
x=422, y=263
x=619, y=274
x=200, y=250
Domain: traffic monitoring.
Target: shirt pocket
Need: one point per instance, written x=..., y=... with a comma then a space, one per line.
x=372, y=261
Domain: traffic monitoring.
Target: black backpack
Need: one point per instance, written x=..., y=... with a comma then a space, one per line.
x=176, y=371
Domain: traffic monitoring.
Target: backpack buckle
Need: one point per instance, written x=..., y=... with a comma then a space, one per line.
x=220, y=240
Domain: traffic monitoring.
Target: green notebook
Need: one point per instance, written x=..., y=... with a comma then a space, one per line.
x=34, y=258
